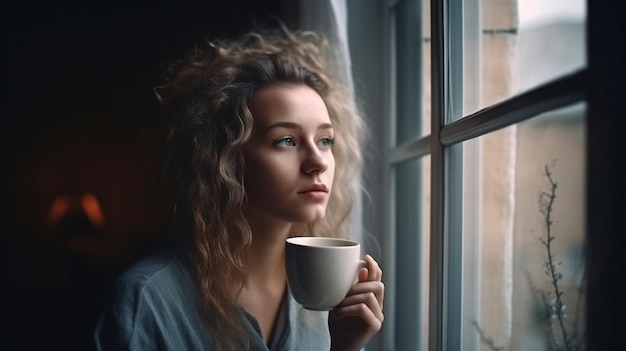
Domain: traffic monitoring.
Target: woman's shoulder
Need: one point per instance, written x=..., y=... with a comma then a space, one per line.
x=153, y=299
x=157, y=272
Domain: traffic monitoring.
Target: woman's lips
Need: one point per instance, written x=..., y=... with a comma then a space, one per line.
x=315, y=191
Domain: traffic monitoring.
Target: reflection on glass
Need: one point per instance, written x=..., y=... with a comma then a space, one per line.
x=412, y=227
x=551, y=40
x=426, y=87
x=524, y=235
x=511, y=46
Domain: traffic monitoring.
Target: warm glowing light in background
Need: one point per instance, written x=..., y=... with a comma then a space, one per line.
x=88, y=203
x=58, y=209
x=92, y=209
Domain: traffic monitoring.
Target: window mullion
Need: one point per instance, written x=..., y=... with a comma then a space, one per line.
x=452, y=188
x=436, y=340
x=556, y=94
x=407, y=174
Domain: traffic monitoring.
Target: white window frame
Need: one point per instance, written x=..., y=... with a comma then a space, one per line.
x=596, y=85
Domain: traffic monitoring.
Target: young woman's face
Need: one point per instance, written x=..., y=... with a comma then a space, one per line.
x=289, y=159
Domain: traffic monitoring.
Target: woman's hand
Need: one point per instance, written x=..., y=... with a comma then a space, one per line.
x=360, y=315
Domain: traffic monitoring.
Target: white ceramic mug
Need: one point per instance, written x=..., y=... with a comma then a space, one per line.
x=321, y=271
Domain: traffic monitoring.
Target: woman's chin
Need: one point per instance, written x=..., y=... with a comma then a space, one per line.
x=310, y=218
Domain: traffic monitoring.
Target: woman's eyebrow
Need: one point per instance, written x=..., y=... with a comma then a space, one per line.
x=325, y=126
x=283, y=124
x=293, y=125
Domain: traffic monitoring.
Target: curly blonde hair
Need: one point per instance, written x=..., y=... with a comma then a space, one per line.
x=206, y=97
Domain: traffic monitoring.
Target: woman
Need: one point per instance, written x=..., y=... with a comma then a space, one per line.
x=264, y=144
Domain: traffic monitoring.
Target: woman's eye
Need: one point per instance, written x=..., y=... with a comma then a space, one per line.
x=326, y=143
x=285, y=142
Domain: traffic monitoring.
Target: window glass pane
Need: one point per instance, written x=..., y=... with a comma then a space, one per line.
x=426, y=76
x=511, y=46
x=411, y=61
x=523, y=235
x=412, y=227
x=551, y=40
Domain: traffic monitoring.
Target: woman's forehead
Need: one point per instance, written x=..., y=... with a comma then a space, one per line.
x=288, y=105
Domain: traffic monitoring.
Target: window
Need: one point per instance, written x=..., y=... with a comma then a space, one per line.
x=482, y=210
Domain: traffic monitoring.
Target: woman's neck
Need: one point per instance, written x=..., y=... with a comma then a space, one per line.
x=265, y=261
x=266, y=278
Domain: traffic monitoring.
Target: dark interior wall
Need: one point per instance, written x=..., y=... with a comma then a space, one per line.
x=77, y=123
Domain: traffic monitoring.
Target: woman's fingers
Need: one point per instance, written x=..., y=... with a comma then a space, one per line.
x=360, y=315
x=373, y=319
x=370, y=280
x=373, y=269
x=377, y=288
x=368, y=300
x=363, y=296
x=368, y=294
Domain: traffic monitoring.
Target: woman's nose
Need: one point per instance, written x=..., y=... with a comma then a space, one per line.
x=316, y=161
